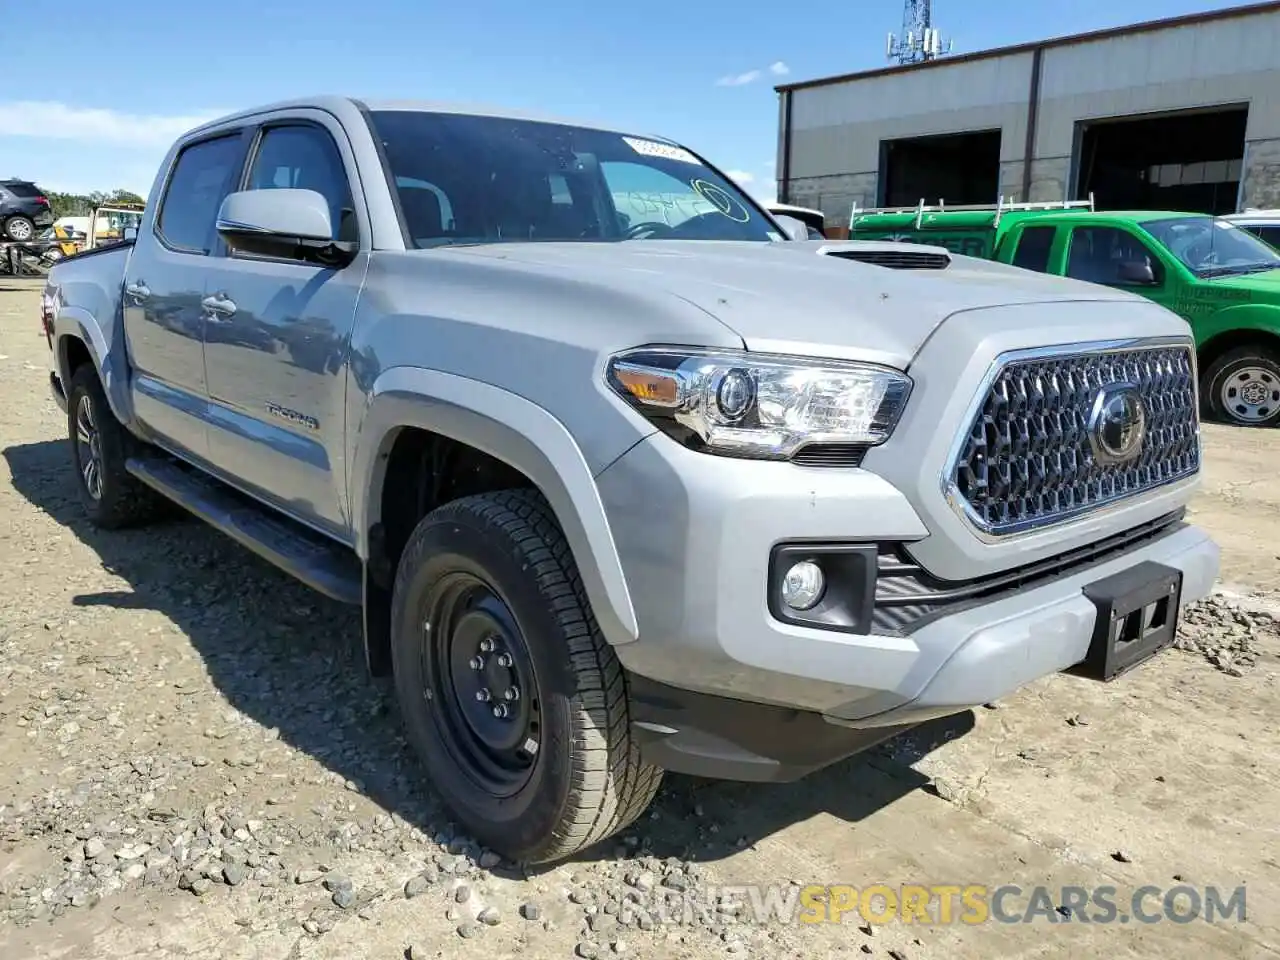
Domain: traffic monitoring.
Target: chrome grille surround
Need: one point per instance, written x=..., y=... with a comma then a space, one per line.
x=1024, y=460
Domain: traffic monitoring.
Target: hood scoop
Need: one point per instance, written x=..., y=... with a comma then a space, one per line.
x=891, y=255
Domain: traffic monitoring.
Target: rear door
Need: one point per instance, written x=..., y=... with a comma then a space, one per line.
x=163, y=289
x=1033, y=247
x=278, y=332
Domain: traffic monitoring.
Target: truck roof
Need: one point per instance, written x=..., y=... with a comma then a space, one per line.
x=342, y=105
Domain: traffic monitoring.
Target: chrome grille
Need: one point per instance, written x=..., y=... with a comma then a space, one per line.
x=1027, y=461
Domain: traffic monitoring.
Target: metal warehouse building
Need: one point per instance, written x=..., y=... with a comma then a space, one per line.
x=1177, y=114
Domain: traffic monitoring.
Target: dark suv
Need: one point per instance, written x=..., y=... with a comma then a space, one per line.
x=24, y=210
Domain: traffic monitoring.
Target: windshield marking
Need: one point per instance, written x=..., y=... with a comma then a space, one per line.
x=651, y=148
x=721, y=200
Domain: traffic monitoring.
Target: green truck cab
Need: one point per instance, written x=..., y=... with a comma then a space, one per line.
x=1221, y=279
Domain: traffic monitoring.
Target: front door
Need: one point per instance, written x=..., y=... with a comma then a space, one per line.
x=163, y=289
x=1109, y=255
x=277, y=334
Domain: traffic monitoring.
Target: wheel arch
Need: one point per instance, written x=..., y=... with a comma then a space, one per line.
x=1219, y=343
x=509, y=429
x=77, y=335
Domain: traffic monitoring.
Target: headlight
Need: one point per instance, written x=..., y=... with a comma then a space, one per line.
x=759, y=405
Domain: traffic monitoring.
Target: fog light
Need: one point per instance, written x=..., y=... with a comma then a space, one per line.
x=803, y=585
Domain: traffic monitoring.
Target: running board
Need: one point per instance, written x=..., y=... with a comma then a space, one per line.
x=318, y=562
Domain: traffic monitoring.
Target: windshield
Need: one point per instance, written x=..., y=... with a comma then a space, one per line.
x=113, y=223
x=1211, y=247
x=474, y=179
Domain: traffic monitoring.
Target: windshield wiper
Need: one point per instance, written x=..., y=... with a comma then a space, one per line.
x=1240, y=268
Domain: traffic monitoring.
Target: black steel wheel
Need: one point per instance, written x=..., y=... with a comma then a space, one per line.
x=478, y=662
x=512, y=698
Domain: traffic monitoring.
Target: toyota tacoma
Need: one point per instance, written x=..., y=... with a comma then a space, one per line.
x=622, y=483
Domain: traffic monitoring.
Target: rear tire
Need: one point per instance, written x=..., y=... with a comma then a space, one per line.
x=1242, y=387
x=513, y=699
x=112, y=496
x=20, y=229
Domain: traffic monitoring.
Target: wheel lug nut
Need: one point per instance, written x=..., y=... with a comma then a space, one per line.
x=511, y=694
x=486, y=645
x=504, y=660
x=482, y=695
x=477, y=663
x=500, y=711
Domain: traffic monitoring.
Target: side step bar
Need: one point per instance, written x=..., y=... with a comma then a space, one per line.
x=318, y=562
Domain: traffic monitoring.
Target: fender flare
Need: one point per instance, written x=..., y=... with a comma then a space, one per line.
x=81, y=325
x=511, y=429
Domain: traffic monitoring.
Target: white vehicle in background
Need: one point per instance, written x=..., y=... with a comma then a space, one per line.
x=1263, y=224
x=815, y=221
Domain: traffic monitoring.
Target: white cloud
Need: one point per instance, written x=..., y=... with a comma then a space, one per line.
x=766, y=191
x=739, y=79
x=779, y=69
x=54, y=120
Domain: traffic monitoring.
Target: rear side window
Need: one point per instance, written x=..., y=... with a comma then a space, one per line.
x=202, y=177
x=1033, y=248
x=27, y=191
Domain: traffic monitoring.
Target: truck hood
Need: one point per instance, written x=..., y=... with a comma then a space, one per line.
x=782, y=297
x=1265, y=285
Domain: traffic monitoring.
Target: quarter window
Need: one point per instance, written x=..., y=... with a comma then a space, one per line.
x=304, y=157
x=202, y=178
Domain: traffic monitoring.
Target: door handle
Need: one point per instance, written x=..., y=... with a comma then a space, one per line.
x=138, y=291
x=220, y=307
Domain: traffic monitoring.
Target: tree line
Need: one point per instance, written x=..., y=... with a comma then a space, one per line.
x=82, y=204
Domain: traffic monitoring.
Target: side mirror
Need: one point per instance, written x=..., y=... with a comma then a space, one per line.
x=1137, y=272
x=286, y=223
x=794, y=229
x=131, y=233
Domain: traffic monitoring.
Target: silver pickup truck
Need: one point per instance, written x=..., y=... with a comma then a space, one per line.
x=621, y=482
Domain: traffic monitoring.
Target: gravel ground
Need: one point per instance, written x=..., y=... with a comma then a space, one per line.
x=193, y=762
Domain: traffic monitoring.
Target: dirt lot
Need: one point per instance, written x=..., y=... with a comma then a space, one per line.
x=193, y=763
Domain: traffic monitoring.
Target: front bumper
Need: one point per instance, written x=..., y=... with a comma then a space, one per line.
x=697, y=566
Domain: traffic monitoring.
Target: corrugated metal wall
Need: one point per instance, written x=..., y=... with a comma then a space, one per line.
x=836, y=130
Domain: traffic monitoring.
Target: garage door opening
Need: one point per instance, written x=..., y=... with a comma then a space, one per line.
x=1184, y=161
x=959, y=168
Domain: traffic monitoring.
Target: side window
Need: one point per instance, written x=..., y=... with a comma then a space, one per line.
x=427, y=210
x=1270, y=235
x=305, y=157
x=201, y=179
x=1034, y=244
x=1103, y=254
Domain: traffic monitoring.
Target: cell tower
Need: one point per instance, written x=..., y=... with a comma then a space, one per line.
x=920, y=40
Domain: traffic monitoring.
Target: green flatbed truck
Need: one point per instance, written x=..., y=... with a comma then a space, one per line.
x=1221, y=279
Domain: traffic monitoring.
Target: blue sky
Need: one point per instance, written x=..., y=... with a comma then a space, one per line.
x=701, y=73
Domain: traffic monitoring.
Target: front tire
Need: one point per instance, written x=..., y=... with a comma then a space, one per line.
x=1242, y=387
x=112, y=497
x=513, y=699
